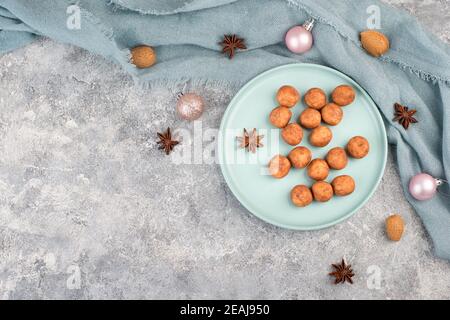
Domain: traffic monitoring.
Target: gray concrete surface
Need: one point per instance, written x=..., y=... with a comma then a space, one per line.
x=89, y=209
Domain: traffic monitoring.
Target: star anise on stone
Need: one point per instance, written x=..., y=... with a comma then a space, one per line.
x=165, y=141
x=404, y=116
x=342, y=273
x=231, y=43
x=250, y=141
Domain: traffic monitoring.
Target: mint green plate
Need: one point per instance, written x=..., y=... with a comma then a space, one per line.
x=269, y=198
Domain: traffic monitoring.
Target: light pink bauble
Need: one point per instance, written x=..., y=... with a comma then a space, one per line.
x=190, y=106
x=298, y=39
x=423, y=187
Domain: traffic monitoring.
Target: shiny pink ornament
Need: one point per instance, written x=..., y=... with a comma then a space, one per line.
x=423, y=186
x=299, y=39
x=190, y=106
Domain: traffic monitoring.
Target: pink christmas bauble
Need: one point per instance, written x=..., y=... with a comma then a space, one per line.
x=190, y=106
x=423, y=186
x=298, y=39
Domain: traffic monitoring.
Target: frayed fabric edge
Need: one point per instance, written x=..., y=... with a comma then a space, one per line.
x=108, y=33
x=118, y=4
x=424, y=75
x=124, y=56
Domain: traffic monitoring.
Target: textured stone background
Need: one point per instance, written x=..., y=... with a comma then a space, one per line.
x=90, y=209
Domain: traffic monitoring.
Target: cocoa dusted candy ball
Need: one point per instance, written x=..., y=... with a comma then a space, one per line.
x=332, y=114
x=288, y=96
x=280, y=117
x=292, y=134
x=300, y=157
x=337, y=158
x=318, y=169
x=343, y=185
x=320, y=136
x=315, y=98
x=358, y=147
x=279, y=167
x=343, y=95
x=301, y=196
x=322, y=191
x=310, y=118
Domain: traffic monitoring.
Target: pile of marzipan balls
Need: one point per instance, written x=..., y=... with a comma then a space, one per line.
x=318, y=110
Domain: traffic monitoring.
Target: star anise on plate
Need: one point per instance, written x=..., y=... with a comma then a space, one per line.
x=404, y=116
x=231, y=43
x=250, y=141
x=166, y=142
x=342, y=273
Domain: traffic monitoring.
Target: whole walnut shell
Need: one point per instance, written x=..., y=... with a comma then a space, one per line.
x=143, y=56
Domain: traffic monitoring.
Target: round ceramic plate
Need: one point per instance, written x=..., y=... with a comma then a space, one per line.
x=269, y=198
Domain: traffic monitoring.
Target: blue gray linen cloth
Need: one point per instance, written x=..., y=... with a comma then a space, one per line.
x=186, y=36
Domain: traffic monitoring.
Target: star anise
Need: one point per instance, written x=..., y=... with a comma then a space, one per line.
x=165, y=141
x=404, y=116
x=250, y=141
x=230, y=43
x=342, y=273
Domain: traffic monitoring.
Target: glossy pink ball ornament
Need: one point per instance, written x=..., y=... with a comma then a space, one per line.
x=299, y=39
x=190, y=106
x=423, y=186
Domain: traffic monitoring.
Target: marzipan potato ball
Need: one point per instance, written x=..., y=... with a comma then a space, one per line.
x=280, y=117
x=343, y=185
x=300, y=157
x=279, y=167
x=322, y=191
x=301, y=196
x=143, y=56
x=288, y=96
x=332, y=114
x=310, y=118
x=337, y=158
x=358, y=147
x=320, y=136
x=315, y=98
x=292, y=134
x=343, y=95
x=318, y=169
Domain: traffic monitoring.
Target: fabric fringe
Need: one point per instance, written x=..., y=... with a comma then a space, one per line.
x=302, y=7
x=124, y=58
x=424, y=75
x=107, y=32
x=120, y=5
